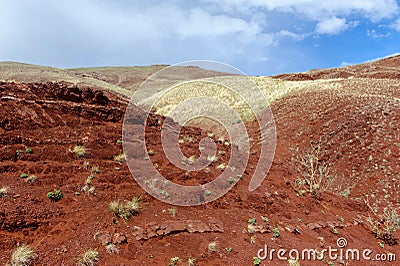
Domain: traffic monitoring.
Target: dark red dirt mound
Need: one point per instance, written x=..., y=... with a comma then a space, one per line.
x=54, y=117
x=387, y=68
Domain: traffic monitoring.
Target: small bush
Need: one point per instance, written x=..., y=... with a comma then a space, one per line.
x=191, y=262
x=315, y=172
x=276, y=232
x=54, y=196
x=256, y=261
x=22, y=256
x=385, y=225
x=172, y=212
x=4, y=191
x=125, y=210
x=23, y=175
x=28, y=151
x=213, y=246
x=95, y=170
x=173, y=261
x=252, y=221
x=18, y=152
x=89, y=258
x=79, y=151
x=31, y=179
x=111, y=248
x=86, y=165
x=120, y=158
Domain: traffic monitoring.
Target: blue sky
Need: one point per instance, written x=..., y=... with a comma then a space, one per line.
x=259, y=37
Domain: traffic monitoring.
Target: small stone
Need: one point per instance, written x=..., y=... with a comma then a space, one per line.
x=119, y=238
x=103, y=237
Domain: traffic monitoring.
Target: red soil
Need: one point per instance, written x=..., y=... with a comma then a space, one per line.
x=387, y=68
x=52, y=118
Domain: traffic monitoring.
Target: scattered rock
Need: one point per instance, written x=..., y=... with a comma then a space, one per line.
x=119, y=238
x=103, y=237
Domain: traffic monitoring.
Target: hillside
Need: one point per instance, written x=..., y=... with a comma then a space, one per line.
x=121, y=80
x=335, y=172
x=387, y=68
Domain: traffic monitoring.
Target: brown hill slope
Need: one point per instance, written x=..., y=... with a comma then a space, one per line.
x=350, y=130
x=121, y=80
x=387, y=68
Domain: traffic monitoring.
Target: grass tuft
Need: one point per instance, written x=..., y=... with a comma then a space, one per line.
x=4, y=191
x=22, y=256
x=89, y=258
x=125, y=210
x=120, y=158
x=79, y=151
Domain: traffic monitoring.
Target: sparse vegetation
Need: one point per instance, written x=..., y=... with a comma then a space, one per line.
x=79, y=151
x=293, y=262
x=213, y=246
x=315, y=172
x=173, y=261
x=54, y=196
x=89, y=258
x=265, y=219
x=31, y=179
x=95, y=170
x=212, y=158
x=252, y=221
x=18, y=152
x=111, y=248
x=276, y=233
x=4, y=191
x=125, y=210
x=221, y=167
x=191, y=262
x=28, y=151
x=22, y=256
x=172, y=212
x=86, y=165
x=231, y=180
x=120, y=158
x=385, y=225
x=256, y=261
x=24, y=175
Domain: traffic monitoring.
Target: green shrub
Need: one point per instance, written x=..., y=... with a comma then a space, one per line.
x=54, y=196
x=252, y=221
x=276, y=232
x=23, y=175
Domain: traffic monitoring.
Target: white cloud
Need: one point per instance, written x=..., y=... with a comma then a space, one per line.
x=396, y=25
x=377, y=35
x=331, y=25
x=244, y=33
x=199, y=23
x=372, y=9
x=292, y=35
x=330, y=16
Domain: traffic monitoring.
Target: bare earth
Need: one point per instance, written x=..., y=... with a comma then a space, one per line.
x=355, y=125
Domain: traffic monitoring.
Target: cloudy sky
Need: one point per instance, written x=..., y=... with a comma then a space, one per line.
x=260, y=37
